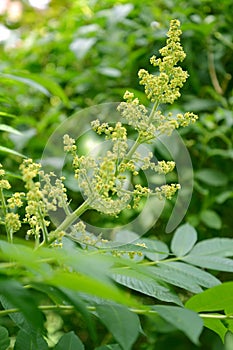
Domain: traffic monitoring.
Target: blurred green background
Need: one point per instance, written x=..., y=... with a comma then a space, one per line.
x=71, y=54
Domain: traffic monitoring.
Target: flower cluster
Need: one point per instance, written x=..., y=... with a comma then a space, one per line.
x=4, y=184
x=167, y=191
x=161, y=88
x=41, y=197
x=165, y=86
x=10, y=219
x=99, y=179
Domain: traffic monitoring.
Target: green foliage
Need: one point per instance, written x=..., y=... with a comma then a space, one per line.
x=123, y=324
x=181, y=319
x=215, y=299
x=4, y=338
x=69, y=341
x=91, y=278
x=30, y=341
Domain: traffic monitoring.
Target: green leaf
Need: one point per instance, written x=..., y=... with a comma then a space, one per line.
x=4, y=338
x=211, y=219
x=199, y=276
x=212, y=177
x=88, y=285
x=216, y=326
x=174, y=274
x=214, y=246
x=11, y=151
x=146, y=285
x=184, y=239
x=11, y=291
x=8, y=115
x=17, y=317
x=74, y=299
x=223, y=196
x=188, y=322
x=210, y=262
x=122, y=323
x=9, y=129
x=156, y=250
x=25, y=341
x=213, y=299
x=25, y=256
x=26, y=80
x=69, y=341
x=39, y=82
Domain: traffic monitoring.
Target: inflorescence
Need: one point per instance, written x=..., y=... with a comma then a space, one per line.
x=109, y=182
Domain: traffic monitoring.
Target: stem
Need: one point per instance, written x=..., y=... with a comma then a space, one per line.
x=212, y=70
x=4, y=209
x=72, y=217
x=151, y=263
x=154, y=109
x=138, y=142
x=44, y=228
x=133, y=149
x=93, y=308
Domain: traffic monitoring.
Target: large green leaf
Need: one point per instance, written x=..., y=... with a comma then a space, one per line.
x=122, y=323
x=74, y=299
x=216, y=326
x=210, y=262
x=199, y=276
x=25, y=341
x=146, y=285
x=216, y=299
x=17, y=317
x=188, y=322
x=11, y=291
x=174, y=274
x=26, y=257
x=183, y=240
x=213, y=299
x=214, y=246
x=4, y=338
x=91, y=276
x=69, y=341
x=89, y=285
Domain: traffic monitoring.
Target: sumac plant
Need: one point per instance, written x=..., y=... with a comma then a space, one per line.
x=65, y=274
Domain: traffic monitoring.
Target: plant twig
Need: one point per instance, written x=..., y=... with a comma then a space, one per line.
x=93, y=308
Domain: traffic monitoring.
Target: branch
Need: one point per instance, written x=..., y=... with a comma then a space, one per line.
x=92, y=308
